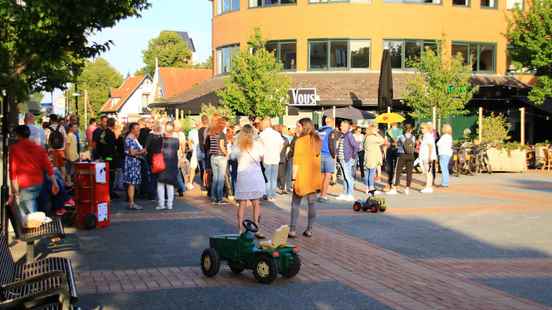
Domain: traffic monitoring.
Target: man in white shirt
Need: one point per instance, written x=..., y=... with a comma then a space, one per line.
x=37, y=134
x=273, y=143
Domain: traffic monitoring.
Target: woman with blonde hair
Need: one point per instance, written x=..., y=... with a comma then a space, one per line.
x=250, y=183
x=373, y=157
x=427, y=155
x=444, y=146
x=306, y=177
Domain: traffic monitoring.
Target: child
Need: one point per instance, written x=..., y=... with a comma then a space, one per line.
x=71, y=153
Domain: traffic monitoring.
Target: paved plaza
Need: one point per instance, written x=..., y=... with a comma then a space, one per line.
x=485, y=243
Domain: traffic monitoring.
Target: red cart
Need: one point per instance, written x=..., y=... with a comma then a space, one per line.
x=92, y=195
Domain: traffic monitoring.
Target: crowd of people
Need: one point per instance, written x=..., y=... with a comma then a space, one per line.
x=156, y=159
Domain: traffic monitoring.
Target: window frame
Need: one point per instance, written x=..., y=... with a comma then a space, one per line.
x=478, y=45
x=220, y=48
x=468, y=5
x=280, y=4
x=403, y=50
x=220, y=8
x=328, y=57
x=514, y=8
x=278, y=51
x=495, y=7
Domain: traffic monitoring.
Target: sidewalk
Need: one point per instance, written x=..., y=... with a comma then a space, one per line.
x=482, y=244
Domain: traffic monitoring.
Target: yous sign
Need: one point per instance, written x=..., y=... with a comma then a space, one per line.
x=302, y=96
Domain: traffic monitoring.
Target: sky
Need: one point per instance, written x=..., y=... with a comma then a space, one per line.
x=130, y=36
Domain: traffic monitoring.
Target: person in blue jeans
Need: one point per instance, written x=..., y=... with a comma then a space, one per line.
x=328, y=135
x=216, y=140
x=347, y=149
x=444, y=146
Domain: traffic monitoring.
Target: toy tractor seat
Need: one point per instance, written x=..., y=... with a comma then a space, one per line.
x=279, y=239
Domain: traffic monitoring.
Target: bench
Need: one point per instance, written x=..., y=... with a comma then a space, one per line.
x=45, y=278
x=52, y=230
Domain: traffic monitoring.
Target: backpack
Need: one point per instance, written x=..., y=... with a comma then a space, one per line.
x=56, y=138
x=409, y=145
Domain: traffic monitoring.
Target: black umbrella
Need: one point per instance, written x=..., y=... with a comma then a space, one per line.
x=385, y=90
x=350, y=113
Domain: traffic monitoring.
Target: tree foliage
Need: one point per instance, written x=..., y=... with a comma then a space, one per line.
x=209, y=110
x=43, y=43
x=530, y=37
x=256, y=86
x=98, y=77
x=439, y=82
x=495, y=129
x=170, y=49
x=207, y=64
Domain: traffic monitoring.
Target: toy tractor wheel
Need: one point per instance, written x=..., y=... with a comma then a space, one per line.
x=89, y=221
x=210, y=262
x=293, y=268
x=357, y=206
x=265, y=269
x=236, y=268
x=382, y=207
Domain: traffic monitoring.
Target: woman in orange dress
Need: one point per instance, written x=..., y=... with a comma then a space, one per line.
x=306, y=177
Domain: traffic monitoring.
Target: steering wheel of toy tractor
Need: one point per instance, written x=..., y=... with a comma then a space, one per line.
x=250, y=226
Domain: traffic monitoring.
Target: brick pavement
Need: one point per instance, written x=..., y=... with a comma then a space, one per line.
x=388, y=277
x=493, y=268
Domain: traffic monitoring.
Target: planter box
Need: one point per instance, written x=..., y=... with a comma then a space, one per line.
x=507, y=161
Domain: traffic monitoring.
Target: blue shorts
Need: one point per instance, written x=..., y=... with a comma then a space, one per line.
x=327, y=164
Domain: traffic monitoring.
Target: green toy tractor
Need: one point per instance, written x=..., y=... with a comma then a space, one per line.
x=266, y=259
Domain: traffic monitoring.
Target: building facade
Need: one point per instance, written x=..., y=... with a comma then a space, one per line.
x=350, y=35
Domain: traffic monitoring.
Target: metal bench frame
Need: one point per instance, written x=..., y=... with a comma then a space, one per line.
x=54, y=229
x=42, y=279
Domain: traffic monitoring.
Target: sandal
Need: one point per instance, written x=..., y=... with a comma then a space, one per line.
x=307, y=233
x=292, y=235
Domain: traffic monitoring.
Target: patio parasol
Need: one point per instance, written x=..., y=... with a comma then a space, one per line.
x=350, y=113
x=389, y=118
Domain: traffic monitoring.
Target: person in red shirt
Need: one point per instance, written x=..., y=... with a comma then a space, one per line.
x=28, y=163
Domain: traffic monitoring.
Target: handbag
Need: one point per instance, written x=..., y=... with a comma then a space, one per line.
x=158, y=163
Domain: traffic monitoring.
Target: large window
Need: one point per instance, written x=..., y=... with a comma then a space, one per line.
x=339, y=54
x=480, y=56
x=285, y=52
x=224, y=6
x=264, y=3
x=488, y=4
x=403, y=52
x=512, y=4
x=224, y=58
x=461, y=2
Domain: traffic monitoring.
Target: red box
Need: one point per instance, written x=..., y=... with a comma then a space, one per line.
x=92, y=197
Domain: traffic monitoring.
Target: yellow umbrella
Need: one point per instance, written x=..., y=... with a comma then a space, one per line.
x=389, y=118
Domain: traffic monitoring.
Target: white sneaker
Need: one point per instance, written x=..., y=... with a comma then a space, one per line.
x=341, y=197
x=159, y=208
x=407, y=191
x=392, y=192
x=427, y=190
x=169, y=208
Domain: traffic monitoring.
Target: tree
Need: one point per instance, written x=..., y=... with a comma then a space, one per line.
x=256, y=85
x=170, y=49
x=209, y=110
x=207, y=64
x=495, y=129
x=97, y=78
x=530, y=37
x=440, y=83
x=43, y=43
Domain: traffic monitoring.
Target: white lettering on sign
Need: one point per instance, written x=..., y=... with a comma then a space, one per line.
x=303, y=96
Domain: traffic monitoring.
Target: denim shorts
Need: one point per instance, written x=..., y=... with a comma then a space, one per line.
x=327, y=164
